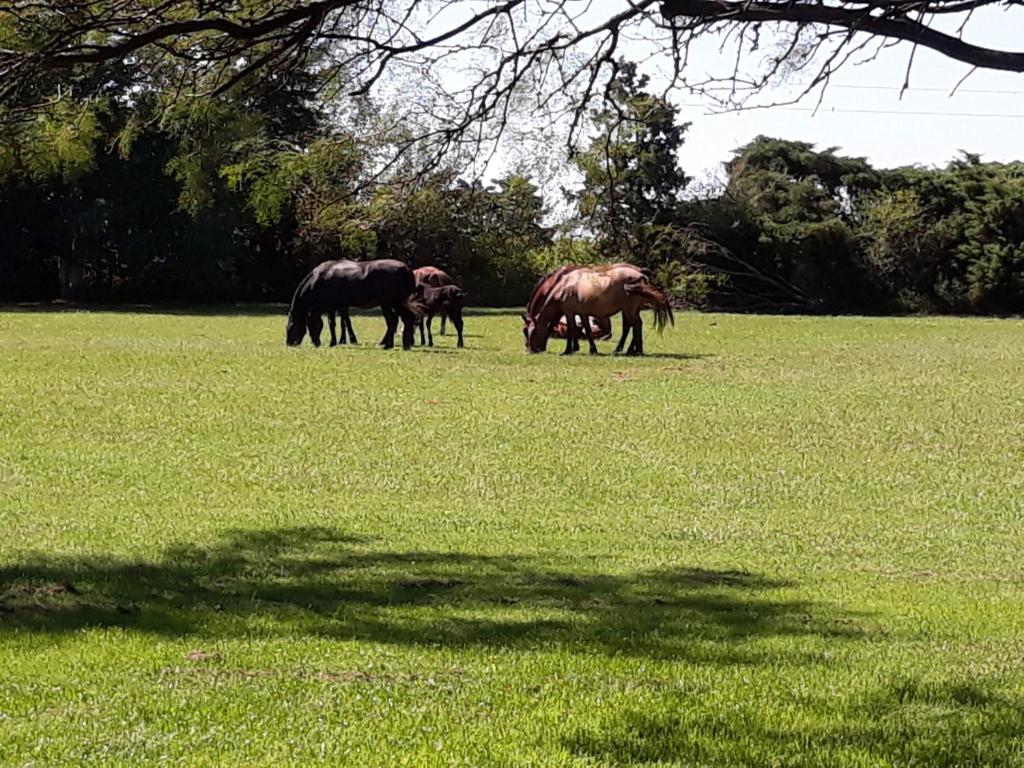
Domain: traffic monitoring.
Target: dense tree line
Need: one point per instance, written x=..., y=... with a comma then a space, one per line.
x=124, y=196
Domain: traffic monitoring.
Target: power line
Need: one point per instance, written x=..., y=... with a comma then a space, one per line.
x=905, y=113
x=899, y=112
x=911, y=89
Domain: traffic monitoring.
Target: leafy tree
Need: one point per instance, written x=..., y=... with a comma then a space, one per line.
x=631, y=175
x=480, y=234
x=798, y=208
x=950, y=239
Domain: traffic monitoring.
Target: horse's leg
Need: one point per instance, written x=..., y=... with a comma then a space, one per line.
x=315, y=324
x=422, y=324
x=391, y=318
x=457, y=322
x=444, y=328
x=347, y=319
x=572, y=343
x=430, y=332
x=408, y=326
x=626, y=325
x=637, y=347
x=590, y=335
x=330, y=322
x=456, y=315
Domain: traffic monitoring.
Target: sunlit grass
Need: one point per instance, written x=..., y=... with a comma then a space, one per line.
x=782, y=541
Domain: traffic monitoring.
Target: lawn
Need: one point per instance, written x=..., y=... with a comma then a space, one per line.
x=774, y=541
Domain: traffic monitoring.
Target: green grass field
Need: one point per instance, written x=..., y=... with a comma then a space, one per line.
x=774, y=541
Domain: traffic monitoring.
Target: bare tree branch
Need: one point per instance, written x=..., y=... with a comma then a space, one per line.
x=458, y=71
x=892, y=20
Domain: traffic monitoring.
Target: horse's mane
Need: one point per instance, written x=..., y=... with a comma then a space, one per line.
x=300, y=299
x=543, y=289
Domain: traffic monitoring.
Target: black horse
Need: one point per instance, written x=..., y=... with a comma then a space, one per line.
x=446, y=301
x=337, y=285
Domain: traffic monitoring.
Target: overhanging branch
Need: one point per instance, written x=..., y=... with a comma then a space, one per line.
x=874, y=19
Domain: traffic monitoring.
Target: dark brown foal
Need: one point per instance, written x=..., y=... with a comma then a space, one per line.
x=447, y=301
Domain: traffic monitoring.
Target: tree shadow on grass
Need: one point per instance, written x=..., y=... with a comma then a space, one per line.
x=908, y=721
x=320, y=582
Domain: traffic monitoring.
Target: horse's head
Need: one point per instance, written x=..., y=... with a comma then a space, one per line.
x=535, y=333
x=528, y=324
x=294, y=331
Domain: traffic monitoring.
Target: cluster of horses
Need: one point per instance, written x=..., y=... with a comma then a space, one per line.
x=412, y=296
x=573, y=302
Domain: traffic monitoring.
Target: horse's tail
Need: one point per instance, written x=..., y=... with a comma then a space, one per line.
x=657, y=301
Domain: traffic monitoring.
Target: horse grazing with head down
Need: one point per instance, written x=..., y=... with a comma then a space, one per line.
x=599, y=291
x=432, y=277
x=337, y=285
x=560, y=329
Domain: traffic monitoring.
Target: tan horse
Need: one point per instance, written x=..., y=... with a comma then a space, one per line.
x=560, y=329
x=599, y=291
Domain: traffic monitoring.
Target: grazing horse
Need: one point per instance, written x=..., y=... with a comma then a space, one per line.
x=540, y=294
x=601, y=292
x=334, y=285
x=432, y=277
x=447, y=300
